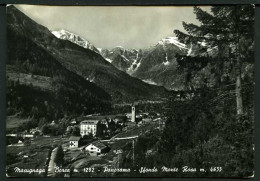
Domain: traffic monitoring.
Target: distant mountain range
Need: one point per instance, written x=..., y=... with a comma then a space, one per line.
x=154, y=65
x=34, y=45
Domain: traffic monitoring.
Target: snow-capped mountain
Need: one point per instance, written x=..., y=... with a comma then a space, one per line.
x=172, y=40
x=158, y=66
x=153, y=65
x=78, y=69
x=124, y=59
x=66, y=35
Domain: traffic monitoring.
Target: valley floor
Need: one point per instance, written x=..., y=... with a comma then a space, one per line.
x=40, y=154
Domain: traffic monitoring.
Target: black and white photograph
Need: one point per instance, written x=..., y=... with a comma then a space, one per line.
x=130, y=91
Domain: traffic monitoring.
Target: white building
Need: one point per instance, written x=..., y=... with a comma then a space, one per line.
x=96, y=148
x=74, y=141
x=88, y=127
x=129, y=115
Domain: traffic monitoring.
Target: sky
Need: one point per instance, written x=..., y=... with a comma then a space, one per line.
x=111, y=26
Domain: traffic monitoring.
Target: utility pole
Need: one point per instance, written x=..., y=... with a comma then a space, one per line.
x=118, y=160
x=133, y=152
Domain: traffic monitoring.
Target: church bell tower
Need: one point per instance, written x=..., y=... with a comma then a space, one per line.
x=133, y=113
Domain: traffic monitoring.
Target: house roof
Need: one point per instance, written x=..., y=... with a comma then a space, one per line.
x=90, y=122
x=98, y=145
x=74, y=138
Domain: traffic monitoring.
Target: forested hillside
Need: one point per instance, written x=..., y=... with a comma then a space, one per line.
x=211, y=125
x=84, y=62
x=39, y=86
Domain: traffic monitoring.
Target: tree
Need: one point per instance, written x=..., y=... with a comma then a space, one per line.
x=42, y=122
x=88, y=136
x=46, y=129
x=59, y=156
x=230, y=30
x=76, y=131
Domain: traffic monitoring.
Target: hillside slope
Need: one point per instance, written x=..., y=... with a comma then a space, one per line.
x=37, y=83
x=84, y=62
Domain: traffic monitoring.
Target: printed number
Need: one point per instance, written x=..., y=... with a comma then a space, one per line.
x=88, y=169
x=215, y=169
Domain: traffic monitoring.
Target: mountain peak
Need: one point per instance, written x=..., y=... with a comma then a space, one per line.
x=119, y=47
x=74, y=38
x=172, y=40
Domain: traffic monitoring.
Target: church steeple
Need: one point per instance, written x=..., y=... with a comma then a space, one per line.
x=133, y=113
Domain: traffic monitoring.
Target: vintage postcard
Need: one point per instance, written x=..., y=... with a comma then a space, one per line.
x=130, y=91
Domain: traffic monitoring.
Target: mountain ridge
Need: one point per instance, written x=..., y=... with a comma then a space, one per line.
x=38, y=85
x=154, y=65
x=84, y=62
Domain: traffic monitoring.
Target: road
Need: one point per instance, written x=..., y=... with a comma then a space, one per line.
x=51, y=166
x=123, y=138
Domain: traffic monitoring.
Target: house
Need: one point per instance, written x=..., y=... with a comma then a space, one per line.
x=128, y=115
x=138, y=116
x=52, y=123
x=118, y=151
x=73, y=122
x=74, y=141
x=146, y=120
x=88, y=127
x=96, y=148
x=34, y=130
x=28, y=136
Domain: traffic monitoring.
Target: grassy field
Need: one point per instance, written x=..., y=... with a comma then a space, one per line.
x=14, y=122
x=37, y=152
x=37, y=158
x=36, y=80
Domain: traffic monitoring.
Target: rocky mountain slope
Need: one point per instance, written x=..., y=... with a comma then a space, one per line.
x=123, y=59
x=83, y=62
x=158, y=64
x=154, y=65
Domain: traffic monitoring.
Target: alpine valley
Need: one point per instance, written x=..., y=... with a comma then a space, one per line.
x=48, y=54
x=74, y=109
x=154, y=65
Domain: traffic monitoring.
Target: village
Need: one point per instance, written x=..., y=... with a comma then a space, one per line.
x=90, y=144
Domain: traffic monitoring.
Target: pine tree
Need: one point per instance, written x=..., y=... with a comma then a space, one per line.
x=230, y=30
x=59, y=156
